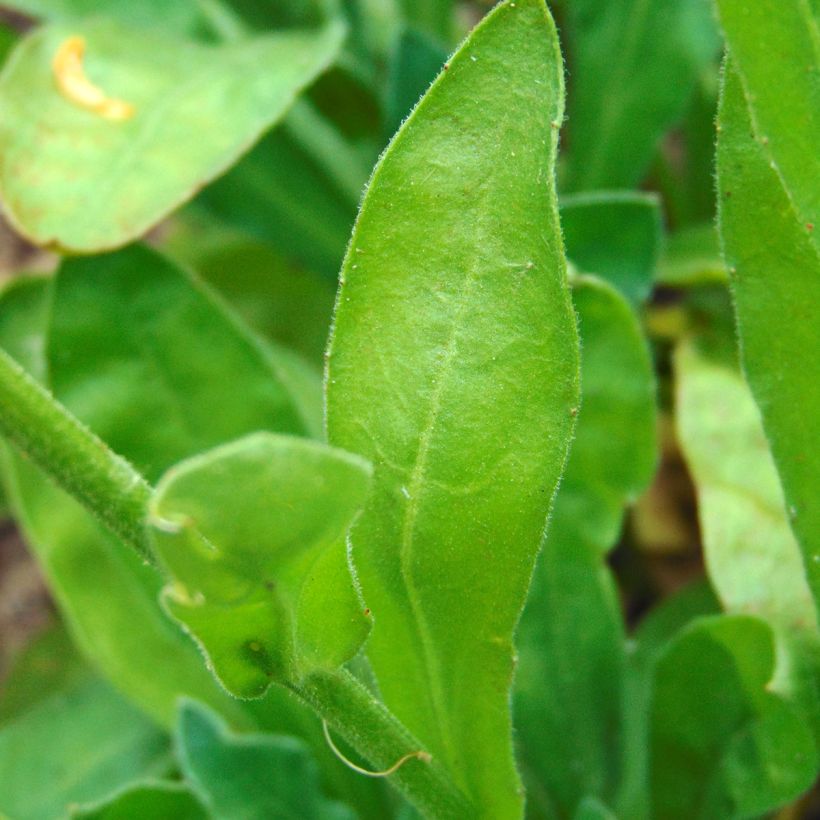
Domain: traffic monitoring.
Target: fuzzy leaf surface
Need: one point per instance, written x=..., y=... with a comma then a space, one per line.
x=454, y=369
x=774, y=268
x=252, y=534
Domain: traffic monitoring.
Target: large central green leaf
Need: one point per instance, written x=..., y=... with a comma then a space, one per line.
x=454, y=369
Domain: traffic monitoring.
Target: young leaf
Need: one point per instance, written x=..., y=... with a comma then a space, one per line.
x=151, y=800
x=453, y=367
x=774, y=266
x=569, y=684
x=635, y=64
x=255, y=777
x=176, y=115
x=252, y=534
x=740, y=752
x=783, y=95
x=77, y=746
x=616, y=235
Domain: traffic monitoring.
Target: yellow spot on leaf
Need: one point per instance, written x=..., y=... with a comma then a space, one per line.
x=78, y=89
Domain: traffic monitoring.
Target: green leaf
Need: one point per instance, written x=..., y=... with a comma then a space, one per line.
x=435, y=17
x=453, y=368
x=279, y=300
x=175, y=15
x=250, y=776
x=740, y=752
x=616, y=235
x=635, y=64
x=73, y=178
x=783, y=95
x=774, y=266
x=751, y=555
x=691, y=257
x=252, y=534
x=152, y=800
x=415, y=62
x=77, y=746
x=167, y=340
x=106, y=594
x=571, y=666
x=653, y=635
x=47, y=664
x=280, y=194
x=591, y=808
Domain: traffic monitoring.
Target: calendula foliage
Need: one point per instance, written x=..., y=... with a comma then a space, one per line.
x=537, y=538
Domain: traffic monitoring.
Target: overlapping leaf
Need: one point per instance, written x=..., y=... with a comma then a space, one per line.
x=569, y=686
x=453, y=368
x=253, y=536
x=775, y=267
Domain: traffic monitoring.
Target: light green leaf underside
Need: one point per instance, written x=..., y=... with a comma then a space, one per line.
x=753, y=560
x=775, y=49
x=775, y=270
x=742, y=751
x=252, y=534
x=615, y=235
x=151, y=800
x=255, y=777
x=76, y=746
x=634, y=66
x=76, y=180
x=569, y=681
x=453, y=368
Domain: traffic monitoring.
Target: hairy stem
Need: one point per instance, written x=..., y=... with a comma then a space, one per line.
x=375, y=733
x=45, y=431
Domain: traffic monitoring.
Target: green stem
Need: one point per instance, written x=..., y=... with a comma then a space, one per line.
x=374, y=732
x=109, y=487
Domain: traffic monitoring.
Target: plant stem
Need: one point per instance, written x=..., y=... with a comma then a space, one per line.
x=367, y=725
x=44, y=430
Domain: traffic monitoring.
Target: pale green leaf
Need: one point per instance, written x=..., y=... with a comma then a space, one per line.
x=255, y=777
x=454, y=369
x=753, y=560
x=569, y=684
x=73, y=178
x=775, y=268
x=77, y=746
x=616, y=235
x=634, y=66
x=739, y=752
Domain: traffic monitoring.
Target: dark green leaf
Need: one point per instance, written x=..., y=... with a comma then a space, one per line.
x=722, y=745
x=691, y=257
x=635, y=63
x=76, y=177
x=453, y=367
x=570, y=679
x=615, y=235
x=255, y=777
